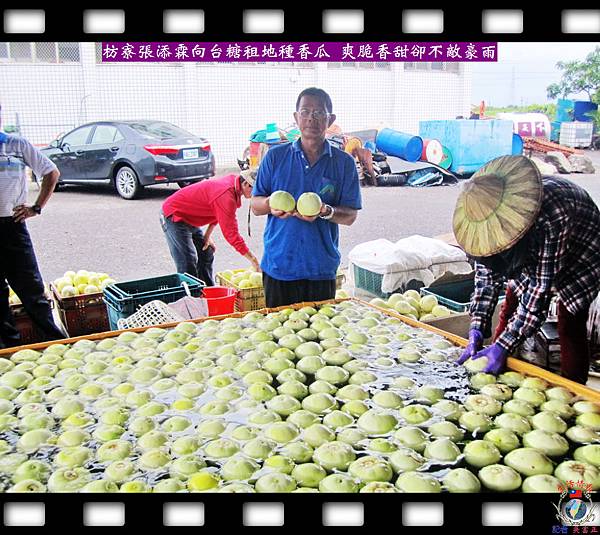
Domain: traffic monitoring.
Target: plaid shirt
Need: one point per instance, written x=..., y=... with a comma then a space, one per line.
x=567, y=259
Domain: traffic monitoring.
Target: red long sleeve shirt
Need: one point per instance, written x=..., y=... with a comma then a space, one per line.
x=210, y=202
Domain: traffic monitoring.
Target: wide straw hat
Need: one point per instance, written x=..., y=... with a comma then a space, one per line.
x=497, y=206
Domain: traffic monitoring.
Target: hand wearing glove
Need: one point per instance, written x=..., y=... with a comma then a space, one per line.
x=496, y=356
x=475, y=344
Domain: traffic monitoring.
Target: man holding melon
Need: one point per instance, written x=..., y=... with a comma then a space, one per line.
x=307, y=188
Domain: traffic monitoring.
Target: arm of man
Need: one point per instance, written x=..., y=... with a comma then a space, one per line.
x=343, y=215
x=535, y=301
x=49, y=182
x=225, y=209
x=253, y=260
x=485, y=298
x=210, y=230
x=260, y=205
x=208, y=242
x=225, y=212
x=350, y=201
x=41, y=166
x=262, y=188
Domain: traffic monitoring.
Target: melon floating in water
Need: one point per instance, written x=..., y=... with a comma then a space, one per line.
x=309, y=204
x=319, y=398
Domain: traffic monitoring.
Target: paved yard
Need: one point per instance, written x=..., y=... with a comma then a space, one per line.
x=92, y=228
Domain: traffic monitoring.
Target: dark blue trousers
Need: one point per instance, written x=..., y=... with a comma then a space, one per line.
x=19, y=269
x=185, y=245
x=281, y=293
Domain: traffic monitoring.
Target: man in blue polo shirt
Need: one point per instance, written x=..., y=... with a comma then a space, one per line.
x=301, y=254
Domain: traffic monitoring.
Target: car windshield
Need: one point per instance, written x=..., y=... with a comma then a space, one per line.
x=159, y=130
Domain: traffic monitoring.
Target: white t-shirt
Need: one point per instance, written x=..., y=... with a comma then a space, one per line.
x=16, y=153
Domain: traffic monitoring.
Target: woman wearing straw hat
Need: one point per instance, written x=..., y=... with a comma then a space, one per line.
x=210, y=202
x=540, y=234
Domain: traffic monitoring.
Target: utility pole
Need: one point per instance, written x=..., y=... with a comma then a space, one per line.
x=512, y=88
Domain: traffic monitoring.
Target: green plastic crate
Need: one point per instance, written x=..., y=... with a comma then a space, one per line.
x=125, y=298
x=454, y=295
x=371, y=282
x=368, y=281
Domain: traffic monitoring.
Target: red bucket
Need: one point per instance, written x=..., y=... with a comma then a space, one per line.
x=220, y=299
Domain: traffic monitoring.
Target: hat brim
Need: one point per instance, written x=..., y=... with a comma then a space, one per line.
x=249, y=176
x=501, y=219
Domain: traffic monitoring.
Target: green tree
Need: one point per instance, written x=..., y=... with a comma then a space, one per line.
x=579, y=77
x=547, y=109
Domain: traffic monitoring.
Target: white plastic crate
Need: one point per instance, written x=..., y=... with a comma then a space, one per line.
x=576, y=134
x=152, y=313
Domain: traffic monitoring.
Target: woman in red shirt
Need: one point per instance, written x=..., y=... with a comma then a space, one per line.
x=210, y=202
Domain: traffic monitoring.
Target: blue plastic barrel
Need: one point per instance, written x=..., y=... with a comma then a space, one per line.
x=581, y=110
x=405, y=146
x=517, y=145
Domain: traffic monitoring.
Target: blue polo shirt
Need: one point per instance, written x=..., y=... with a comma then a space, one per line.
x=295, y=249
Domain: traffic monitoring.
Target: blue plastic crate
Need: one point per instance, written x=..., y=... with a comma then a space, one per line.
x=124, y=298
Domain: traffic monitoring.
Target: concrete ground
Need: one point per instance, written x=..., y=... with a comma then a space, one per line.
x=85, y=227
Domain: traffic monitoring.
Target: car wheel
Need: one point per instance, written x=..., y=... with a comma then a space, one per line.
x=127, y=184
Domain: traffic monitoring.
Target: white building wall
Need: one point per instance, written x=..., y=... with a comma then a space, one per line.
x=224, y=102
x=236, y=100
x=362, y=99
x=45, y=99
x=431, y=95
x=149, y=91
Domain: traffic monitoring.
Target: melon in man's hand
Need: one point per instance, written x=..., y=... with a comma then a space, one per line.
x=282, y=200
x=309, y=204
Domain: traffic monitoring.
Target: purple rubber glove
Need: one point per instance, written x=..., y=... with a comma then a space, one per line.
x=496, y=356
x=475, y=344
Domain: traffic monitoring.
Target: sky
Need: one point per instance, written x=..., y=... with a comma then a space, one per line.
x=523, y=72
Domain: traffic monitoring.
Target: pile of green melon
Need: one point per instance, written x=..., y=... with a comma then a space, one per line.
x=339, y=399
